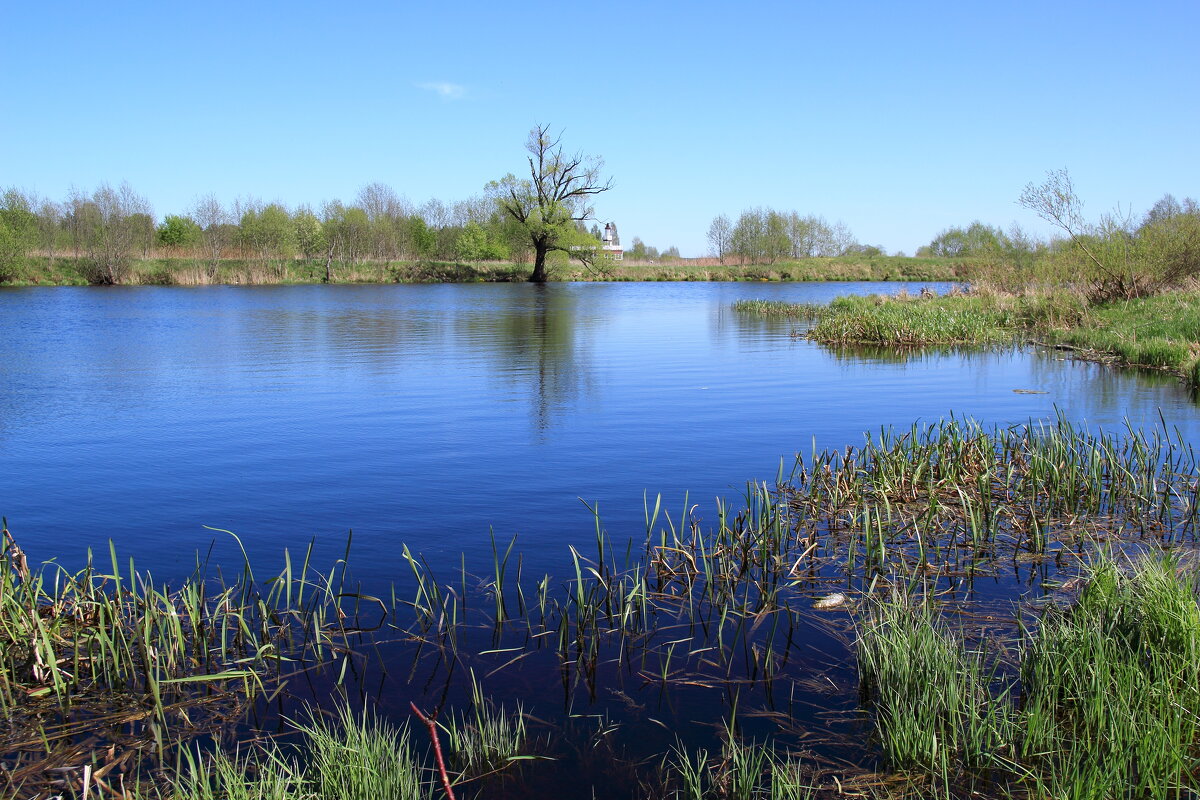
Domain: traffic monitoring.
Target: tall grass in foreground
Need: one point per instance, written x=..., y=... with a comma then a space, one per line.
x=361, y=757
x=147, y=665
x=353, y=757
x=252, y=775
x=1109, y=690
x=68, y=636
x=1111, y=686
x=929, y=693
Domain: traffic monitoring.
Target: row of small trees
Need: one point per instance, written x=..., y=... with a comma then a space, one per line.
x=765, y=236
x=103, y=229
x=107, y=229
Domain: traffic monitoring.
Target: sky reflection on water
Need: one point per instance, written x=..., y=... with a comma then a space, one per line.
x=430, y=415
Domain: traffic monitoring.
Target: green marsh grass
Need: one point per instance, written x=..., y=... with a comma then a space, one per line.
x=1111, y=685
x=779, y=308
x=928, y=693
x=487, y=738
x=743, y=771
x=1103, y=702
x=116, y=647
x=358, y=756
x=353, y=756
x=720, y=606
x=263, y=774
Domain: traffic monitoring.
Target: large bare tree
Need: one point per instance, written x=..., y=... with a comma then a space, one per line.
x=553, y=200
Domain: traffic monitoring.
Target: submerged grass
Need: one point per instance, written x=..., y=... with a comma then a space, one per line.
x=485, y=739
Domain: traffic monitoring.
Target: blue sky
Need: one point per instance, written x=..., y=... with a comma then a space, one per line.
x=898, y=119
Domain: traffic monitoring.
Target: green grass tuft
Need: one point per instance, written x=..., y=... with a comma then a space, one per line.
x=929, y=694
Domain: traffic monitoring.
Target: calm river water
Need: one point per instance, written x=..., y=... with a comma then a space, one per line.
x=431, y=415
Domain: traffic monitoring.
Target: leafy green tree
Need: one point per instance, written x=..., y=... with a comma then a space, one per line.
x=12, y=251
x=18, y=232
x=310, y=238
x=179, y=232
x=267, y=231
x=472, y=242
x=747, y=240
x=776, y=242
x=419, y=240
x=640, y=251
x=552, y=199
x=868, y=250
x=976, y=239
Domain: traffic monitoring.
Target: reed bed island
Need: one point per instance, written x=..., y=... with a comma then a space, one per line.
x=1158, y=331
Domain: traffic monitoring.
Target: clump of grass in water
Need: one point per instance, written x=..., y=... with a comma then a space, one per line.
x=778, y=308
x=353, y=757
x=1110, y=691
x=265, y=775
x=929, y=695
x=886, y=321
x=1111, y=686
x=362, y=757
x=745, y=771
x=487, y=739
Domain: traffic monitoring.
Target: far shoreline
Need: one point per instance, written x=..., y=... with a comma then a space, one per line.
x=187, y=271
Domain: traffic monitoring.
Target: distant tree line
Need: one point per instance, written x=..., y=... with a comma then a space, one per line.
x=106, y=230
x=765, y=236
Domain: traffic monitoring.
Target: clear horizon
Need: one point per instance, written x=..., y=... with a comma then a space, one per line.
x=898, y=121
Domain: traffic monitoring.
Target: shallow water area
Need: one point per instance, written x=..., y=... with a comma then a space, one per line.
x=449, y=419
x=429, y=415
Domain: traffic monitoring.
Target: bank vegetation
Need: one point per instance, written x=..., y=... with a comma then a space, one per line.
x=1119, y=290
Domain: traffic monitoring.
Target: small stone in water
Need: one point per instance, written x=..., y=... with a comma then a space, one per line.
x=830, y=600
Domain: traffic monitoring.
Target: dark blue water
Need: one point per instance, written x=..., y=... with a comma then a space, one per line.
x=431, y=415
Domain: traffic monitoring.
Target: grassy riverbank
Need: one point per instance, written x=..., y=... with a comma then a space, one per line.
x=1158, y=332
x=67, y=271
x=869, y=554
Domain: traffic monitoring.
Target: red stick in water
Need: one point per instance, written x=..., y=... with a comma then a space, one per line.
x=431, y=725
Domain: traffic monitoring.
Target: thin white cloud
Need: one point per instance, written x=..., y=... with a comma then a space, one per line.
x=444, y=89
